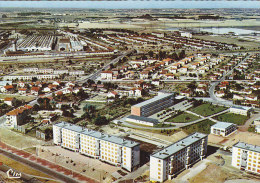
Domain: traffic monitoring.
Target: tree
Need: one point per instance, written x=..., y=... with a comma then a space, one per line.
x=150, y=53
x=36, y=107
x=101, y=120
x=175, y=56
x=182, y=54
x=34, y=79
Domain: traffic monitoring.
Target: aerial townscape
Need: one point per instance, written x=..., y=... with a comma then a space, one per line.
x=129, y=94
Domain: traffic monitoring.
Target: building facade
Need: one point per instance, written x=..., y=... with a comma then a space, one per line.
x=17, y=116
x=223, y=128
x=111, y=149
x=246, y=157
x=156, y=104
x=167, y=163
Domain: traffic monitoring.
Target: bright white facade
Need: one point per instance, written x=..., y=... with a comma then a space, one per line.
x=30, y=77
x=242, y=110
x=111, y=149
x=223, y=128
x=167, y=163
x=75, y=73
x=246, y=157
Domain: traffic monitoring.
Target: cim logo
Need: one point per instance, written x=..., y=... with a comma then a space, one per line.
x=11, y=174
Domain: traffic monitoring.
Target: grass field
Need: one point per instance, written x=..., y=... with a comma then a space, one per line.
x=183, y=118
x=208, y=109
x=203, y=127
x=232, y=118
x=24, y=169
x=229, y=40
x=19, y=97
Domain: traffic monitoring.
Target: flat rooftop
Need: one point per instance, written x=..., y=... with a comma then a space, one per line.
x=141, y=118
x=241, y=107
x=179, y=145
x=222, y=125
x=161, y=96
x=98, y=135
x=246, y=146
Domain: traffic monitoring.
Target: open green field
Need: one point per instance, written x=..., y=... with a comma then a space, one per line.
x=208, y=109
x=229, y=40
x=202, y=127
x=98, y=105
x=232, y=118
x=19, y=97
x=183, y=118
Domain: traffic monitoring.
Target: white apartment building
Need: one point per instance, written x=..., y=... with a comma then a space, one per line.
x=30, y=77
x=17, y=116
x=111, y=149
x=45, y=71
x=223, y=128
x=151, y=106
x=167, y=163
x=31, y=69
x=60, y=72
x=76, y=73
x=108, y=75
x=246, y=157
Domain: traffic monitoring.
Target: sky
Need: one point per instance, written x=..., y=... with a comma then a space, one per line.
x=131, y=4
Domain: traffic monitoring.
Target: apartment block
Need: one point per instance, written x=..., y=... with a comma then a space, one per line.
x=17, y=116
x=223, y=128
x=156, y=104
x=107, y=148
x=168, y=162
x=246, y=157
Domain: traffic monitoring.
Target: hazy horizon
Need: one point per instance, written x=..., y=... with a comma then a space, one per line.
x=130, y=4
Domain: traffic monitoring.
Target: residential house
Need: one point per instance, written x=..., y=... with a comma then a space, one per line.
x=107, y=75
x=9, y=101
x=22, y=91
x=35, y=90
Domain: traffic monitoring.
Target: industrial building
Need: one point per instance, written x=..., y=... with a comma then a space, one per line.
x=111, y=149
x=168, y=162
x=36, y=43
x=246, y=157
x=223, y=128
x=156, y=104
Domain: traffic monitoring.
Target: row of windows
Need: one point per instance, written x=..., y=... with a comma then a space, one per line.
x=250, y=152
x=109, y=159
x=88, y=152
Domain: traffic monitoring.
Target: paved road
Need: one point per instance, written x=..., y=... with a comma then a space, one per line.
x=177, y=125
x=214, y=84
x=95, y=75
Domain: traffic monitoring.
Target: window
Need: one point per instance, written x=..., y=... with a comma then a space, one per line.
x=159, y=177
x=159, y=173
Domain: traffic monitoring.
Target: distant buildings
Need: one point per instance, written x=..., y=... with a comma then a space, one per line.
x=223, y=128
x=246, y=157
x=111, y=149
x=168, y=162
x=149, y=107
